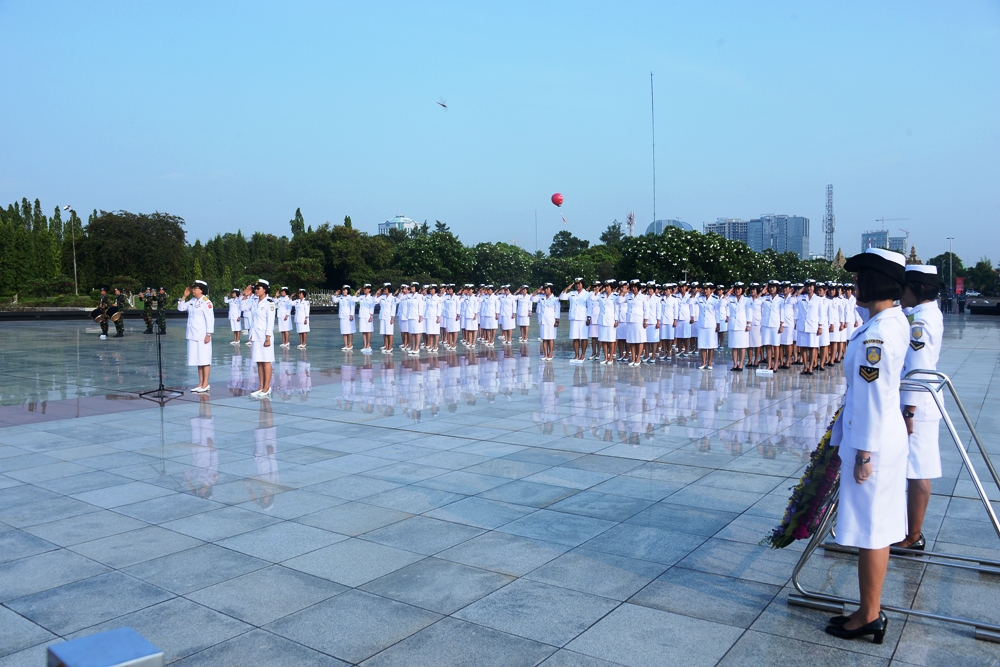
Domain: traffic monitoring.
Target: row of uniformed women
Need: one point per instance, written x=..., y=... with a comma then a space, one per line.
x=289, y=311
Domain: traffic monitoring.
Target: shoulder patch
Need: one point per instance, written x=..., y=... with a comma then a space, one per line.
x=874, y=355
x=209, y=304
x=917, y=331
x=916, y=344
x=875, y=341
x=868, y=374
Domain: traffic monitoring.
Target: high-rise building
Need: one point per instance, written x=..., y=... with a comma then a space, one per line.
x=875, y=239
x=780, y=233
x=897, y=243
x=400, y=222
x=734, y=229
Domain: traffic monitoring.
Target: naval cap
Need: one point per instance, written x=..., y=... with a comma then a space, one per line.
x=197, y=282
x=886, y=262
x=260, y=281
x=923, y=274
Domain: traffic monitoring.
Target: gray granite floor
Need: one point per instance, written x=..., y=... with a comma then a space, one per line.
x=457, y=509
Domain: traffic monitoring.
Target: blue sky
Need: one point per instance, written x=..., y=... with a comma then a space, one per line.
x=232, y=114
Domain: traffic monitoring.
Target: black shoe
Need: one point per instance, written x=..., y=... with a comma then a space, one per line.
x=163, y=332
x=876, y=629
x=838, y=620
x=897, y=548
x=148, y=331
x=120, y=334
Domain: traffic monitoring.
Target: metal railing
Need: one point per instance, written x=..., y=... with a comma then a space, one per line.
x=933, y=382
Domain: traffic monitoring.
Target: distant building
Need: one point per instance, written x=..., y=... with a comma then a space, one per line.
x=734, y=229
x=781, y=233
x=898, y=243
x=659, y=226
x=400, y=222
x=875, y=239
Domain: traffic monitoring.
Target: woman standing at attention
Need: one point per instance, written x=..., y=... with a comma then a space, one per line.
x=872, y=438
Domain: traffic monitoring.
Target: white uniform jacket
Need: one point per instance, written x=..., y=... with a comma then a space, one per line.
x=262, y=319
x=926, y=330
x=577, y=304
x=201, y=317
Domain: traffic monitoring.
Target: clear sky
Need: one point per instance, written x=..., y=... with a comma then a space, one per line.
x=232, y=114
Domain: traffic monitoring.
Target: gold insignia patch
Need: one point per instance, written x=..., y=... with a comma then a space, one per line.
x=916, y=344
x=868, y=374
x=873, y=355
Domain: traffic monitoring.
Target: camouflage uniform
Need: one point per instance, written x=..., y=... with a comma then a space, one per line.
x=161, y=311
x=103, y=305
x=147, y=310
x=122, y=304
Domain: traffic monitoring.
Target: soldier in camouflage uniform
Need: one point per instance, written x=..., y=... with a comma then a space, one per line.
x=161, y=310
x=147, y=309
x=122, y=304
x=103, y=306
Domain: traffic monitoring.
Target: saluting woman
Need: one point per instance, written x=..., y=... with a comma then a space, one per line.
x=872, y=438
x=200, y=327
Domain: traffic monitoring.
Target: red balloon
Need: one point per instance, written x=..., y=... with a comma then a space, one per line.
x=557, y=199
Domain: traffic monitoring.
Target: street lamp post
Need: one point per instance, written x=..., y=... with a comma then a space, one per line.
x=72, y=231
x=951, y=264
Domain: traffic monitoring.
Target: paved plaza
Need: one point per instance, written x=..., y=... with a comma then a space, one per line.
x=474, y=509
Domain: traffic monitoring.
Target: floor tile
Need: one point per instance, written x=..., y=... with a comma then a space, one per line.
x=598, y=573
x=352, y=518
x=568, y=529
x=641, y=637
x=18, y=633
x=353, y=562
x=757, y=648
x=645, y=543
x=601, y=505
x=122, y=494
x=16, y=544
x=531, y=494
x=259, y=648
x=423, y=535
x=193, y=569
x=354, y=625
x=85, y=603
x=281, y=541
x=220, y=524
x=44, y=571
x=454, y=642
x=480, y=512
x=135, y=546
x=437, y=585
x=538, y=611
x=266, y=595
x=503, y=553
x=85, y=528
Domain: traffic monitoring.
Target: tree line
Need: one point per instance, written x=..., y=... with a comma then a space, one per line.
x=133, y=250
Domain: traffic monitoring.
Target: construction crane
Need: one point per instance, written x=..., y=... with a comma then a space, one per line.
x=882, y=221
x=906, y=248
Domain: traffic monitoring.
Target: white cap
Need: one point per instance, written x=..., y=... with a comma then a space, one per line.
x=888, y=254
x=923, y=268
x=261, y=281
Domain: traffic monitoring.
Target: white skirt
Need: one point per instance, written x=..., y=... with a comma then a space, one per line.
x=235, y=325
x=593, y=331
x=871, y=515
x=578, y=330
x=924, y=458
x=284, y=325
x=199, y=352
x=755, y=337
x=606, y=334
x=259, y=353
x=667, y=331
x=824, y=336
x=366, y=326
x=739, y=340
x=547, y=331
x=683, y=329
x=786, y=337
x=708, y=339
x=652, y=334
x=769, y=336
x=454, y=326
x=806, y=339
x=300, y=327
x=416, y=326
x=385, y=327
x=635, y=333
x=506, y=323
x=346, y=326
x=489, y=322
x=524, y=320
x=621, y=331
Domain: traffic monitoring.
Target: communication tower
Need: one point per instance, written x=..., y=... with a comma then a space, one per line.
x=829, y=225
x=630, y=221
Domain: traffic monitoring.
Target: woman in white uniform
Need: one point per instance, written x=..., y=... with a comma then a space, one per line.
x=234, y=315
x=548, y=319
x=261, y=328
x=366, y=317
x=919, y=410
x=345, y=313
x=284, y=316
x=386, y=316
x=740, y=319
x=200, y=327
x=301, y=318
x=871, y=435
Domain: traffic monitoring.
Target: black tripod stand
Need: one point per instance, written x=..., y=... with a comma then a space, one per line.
x=161, y=394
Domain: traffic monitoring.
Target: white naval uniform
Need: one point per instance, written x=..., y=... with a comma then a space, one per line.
x=872, y=515
x=451, y=313
x=634, y=314
x=807, y=321
x=285, y=320
x=683, y=316
x=523, y=310
x=708, y=337
x=548, y=315
x=345, y=311
x=366, y=313
x=507, y=307
x=234, y=313
x=669, y=314
x=201, y=323
x=594, y=312
x=261, y=327
x=926, y=331
x=756, y=306
x=301, y=316
x=386, y=314
x=577, y=313
x=770, y=319
x=607, y=318
x=740, y=315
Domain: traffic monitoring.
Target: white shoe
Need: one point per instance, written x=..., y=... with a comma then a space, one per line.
x=708, y=368
x=701, y=368
x=248, y=342
x=197, y=390
x=349, y=348
x=103, y=337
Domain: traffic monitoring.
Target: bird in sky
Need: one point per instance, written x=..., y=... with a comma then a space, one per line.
x=443, y=104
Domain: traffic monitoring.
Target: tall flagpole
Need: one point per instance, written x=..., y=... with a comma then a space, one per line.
x=652, y=115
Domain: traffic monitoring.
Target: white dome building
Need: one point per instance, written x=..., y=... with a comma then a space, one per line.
x=400, y=222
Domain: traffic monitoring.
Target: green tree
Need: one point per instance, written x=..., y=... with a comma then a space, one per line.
x=564, y=244
x=500, y=263
x=147, y=247
x=303, y=273
x=347, y=222
x=983, y=277
x=946, y=261
x=614, y=235
x=298, y=223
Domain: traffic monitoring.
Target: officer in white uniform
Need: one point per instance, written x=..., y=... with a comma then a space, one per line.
x=261, y=345
x=920, y=302
x=578, y=320
x=302, y=308
x=708, y=325
x=740, y=319
x=284, y=317
x=200, y=327
x=366, y=317
x=871, y=435
x=234, y=314
x=548, y=319
x=345, y=313
x=386, y=316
